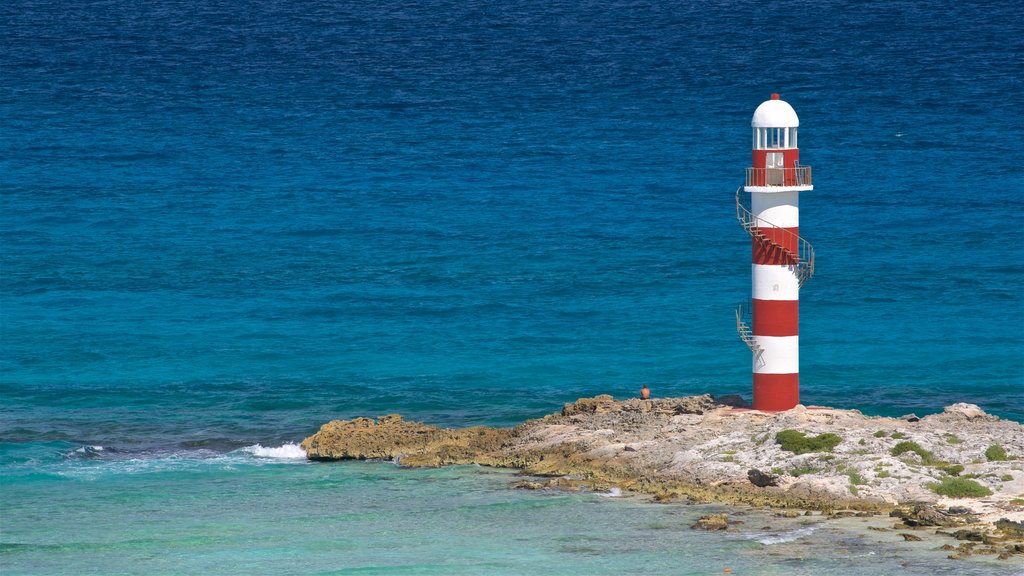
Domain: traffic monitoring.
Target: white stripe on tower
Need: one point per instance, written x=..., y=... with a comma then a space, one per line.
x=780, y=209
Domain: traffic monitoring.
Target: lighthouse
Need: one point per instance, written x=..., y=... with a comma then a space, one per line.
x=781, y=260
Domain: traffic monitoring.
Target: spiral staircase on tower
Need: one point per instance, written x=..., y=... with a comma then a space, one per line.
x=801, y=263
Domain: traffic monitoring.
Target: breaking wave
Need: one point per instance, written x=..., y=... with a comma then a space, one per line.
x=286, y=451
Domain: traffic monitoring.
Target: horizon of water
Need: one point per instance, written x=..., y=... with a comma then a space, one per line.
x=224, y=224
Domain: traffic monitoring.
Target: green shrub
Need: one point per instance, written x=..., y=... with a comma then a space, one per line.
x=880, y=434
x=996, y=453
x=898, y=436
x=951, y=469
x=1006, y=477
x=882, y=474
x=927, y=457
x=958, y=488
x=856, y=478
x=952, y=439
x=798, y=443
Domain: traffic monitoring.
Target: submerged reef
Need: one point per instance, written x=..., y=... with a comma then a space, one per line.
x=935, y=472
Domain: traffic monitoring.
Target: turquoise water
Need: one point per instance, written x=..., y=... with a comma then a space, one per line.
x=238, y=514
x=224, y=224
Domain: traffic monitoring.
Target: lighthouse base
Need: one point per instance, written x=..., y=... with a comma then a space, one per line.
x=776, y=392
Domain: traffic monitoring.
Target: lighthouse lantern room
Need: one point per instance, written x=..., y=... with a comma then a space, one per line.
x=781, y=261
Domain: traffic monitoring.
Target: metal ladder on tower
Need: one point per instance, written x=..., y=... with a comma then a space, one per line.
x=801, y=261
x=747, y=333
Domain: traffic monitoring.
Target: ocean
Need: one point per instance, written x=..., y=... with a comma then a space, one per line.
x=226, y=223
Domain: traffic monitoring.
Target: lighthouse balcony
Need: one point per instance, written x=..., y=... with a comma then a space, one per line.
x=778, y=179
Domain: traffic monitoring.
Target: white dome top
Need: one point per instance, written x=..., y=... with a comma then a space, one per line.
x=775, y=113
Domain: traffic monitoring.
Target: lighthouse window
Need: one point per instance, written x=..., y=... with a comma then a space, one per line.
x=774, y=138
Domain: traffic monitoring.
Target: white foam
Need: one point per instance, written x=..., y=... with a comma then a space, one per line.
x=613, y=492
x=790, y=536
x=85, y=449
x=286, y=451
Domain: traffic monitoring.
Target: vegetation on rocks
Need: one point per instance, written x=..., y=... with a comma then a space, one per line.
x=954, y=487
x=951, y=469
x=996, y=453
x=927, y=457
x=799, y=443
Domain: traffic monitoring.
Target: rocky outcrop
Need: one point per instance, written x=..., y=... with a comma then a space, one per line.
x=702, y=450
x=393, y=438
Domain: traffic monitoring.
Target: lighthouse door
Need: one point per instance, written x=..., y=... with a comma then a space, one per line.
x=774, y=164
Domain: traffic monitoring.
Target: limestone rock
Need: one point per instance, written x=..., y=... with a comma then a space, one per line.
x=694, y=404
x=596, y=405
x=392, y=437
x=965, y=410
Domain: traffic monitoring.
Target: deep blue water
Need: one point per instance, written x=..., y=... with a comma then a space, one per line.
x=224, y=223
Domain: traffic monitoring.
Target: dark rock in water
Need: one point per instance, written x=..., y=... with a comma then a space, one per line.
x=925, y=515
x=761, y=479
x=734, y=400
x=527, y=485
x=712, y=522
x=1010, y=528
x=958, y=510
x=971, y=535
x=910, y=537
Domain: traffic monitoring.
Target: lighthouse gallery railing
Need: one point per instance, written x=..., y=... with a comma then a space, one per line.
x=799, y=176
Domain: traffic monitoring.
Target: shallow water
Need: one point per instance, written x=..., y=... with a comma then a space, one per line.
x=224, y=224
x=240, y=513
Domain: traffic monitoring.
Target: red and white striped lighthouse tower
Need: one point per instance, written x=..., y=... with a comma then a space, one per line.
x=781, y=260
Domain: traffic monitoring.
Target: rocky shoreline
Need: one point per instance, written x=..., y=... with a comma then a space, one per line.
x=959, y=473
